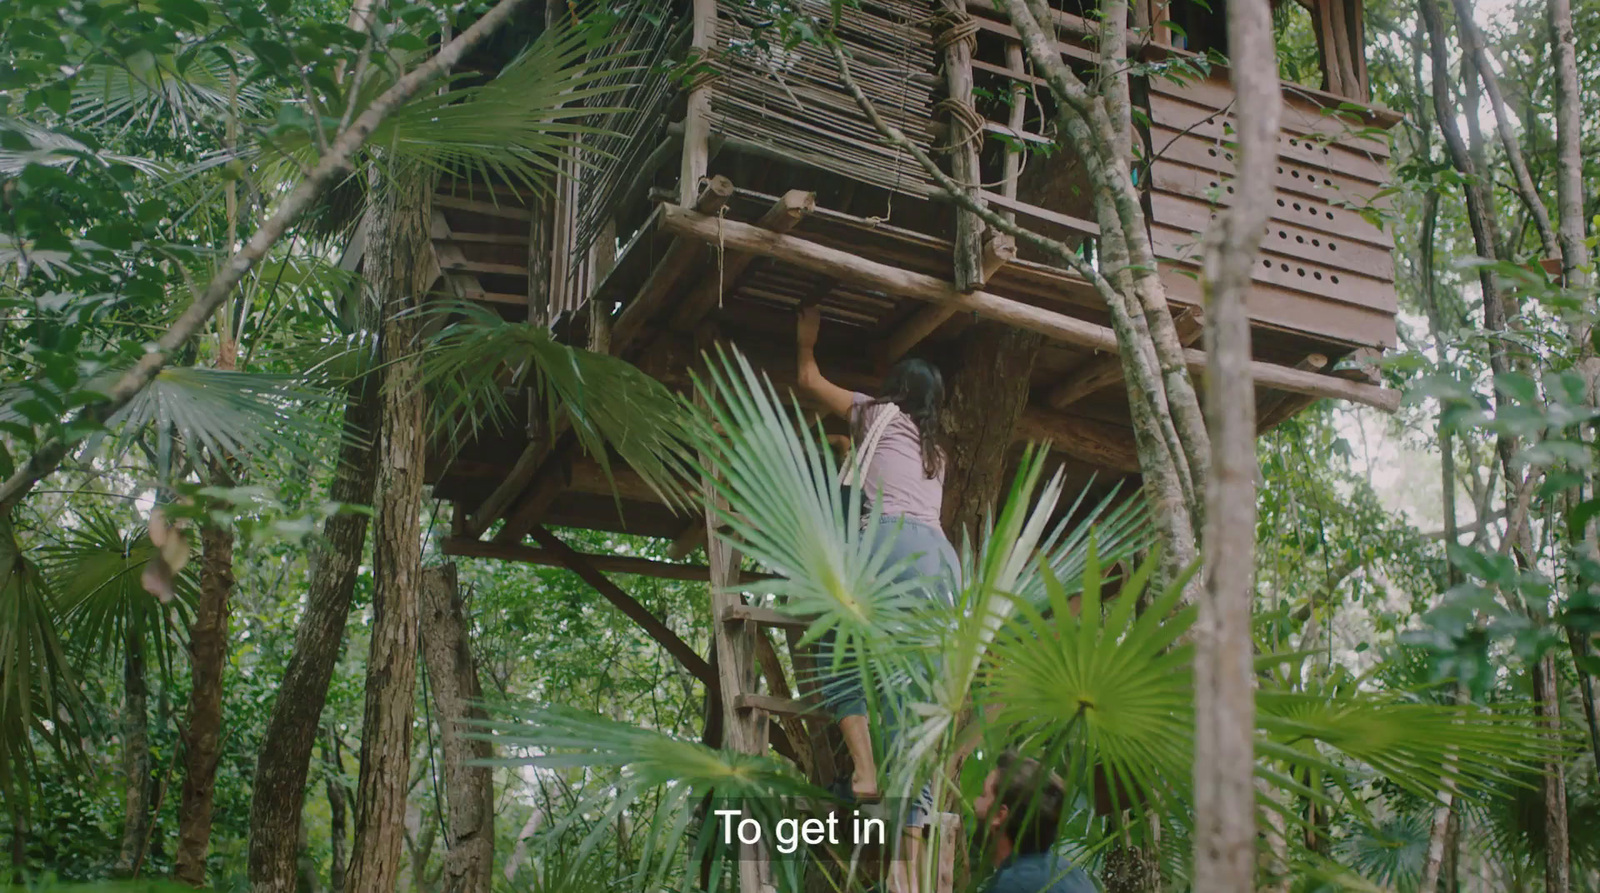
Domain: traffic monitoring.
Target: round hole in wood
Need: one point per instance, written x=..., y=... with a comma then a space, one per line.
x=1317, y=276
x=1267, y=264
x=1332, y=247
x=1280, y=202
x=1300, y=239
x=1334, y=279
x=1295, y=174
x=1230, y=190
x=1212, y=152
x=1297, y=206
x=1285, y=267
x=1330, y=215
x=1282, y=234
x=1317, y=243
x=1228, y=156
x=1300, y=270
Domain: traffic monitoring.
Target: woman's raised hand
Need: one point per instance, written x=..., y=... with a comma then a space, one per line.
x=808, y=322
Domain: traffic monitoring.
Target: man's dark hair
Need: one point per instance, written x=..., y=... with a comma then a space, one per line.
x=1034, y=800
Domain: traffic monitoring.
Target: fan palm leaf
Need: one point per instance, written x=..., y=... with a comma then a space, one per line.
x=36, y=680
x=235, y=416
x=610, y=404
x=94, y=574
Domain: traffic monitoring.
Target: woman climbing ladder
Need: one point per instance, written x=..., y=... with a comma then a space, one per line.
x=897, y=439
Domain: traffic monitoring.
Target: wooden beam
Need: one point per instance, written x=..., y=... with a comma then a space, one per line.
x=1103, y=372
x=650, y=623
x=692, y=538
x=669, y=272
x=784, y=215
x=852, y=268
x=461, y=264
x=779, y=706
x=1097, y=443
x=764, y=617
x=554, y=473
x=611, y=564
x=999, y=250
x=488, y=209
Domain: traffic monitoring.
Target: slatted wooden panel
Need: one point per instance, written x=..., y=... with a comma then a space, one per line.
x=791, y=100
x=1326, y=267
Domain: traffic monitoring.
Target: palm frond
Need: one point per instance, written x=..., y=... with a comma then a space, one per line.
x=610, y=404
x=94, y=573
x=512, y=128
x=36, y=681
x=238, y=416
x=55, y=149
x=187, y=91
x=692, y=781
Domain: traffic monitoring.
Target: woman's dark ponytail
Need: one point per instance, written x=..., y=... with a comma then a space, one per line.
x=917, y=389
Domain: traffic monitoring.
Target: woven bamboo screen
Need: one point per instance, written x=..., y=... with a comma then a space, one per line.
x=790, y=99
x=634, y=118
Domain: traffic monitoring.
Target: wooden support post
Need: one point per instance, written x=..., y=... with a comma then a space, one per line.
x=555, y=471
x=611, y=564
x=785, y=214
x=965, y=142
x=1103, y=372
x=1018, y=118
x=602, y=257
x=998, y=250
x=853, y=268
x=697, y=117
x=680, y=256
x=650, y=623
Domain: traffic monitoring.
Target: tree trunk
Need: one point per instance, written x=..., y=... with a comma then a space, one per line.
x=1224, y=754
x=1557, y=845
x=202, y=736
x=397, y=250
x=1569, y=147
x=469, y=790
x=135, y=755
x=306, y=880
x=334, y=767
x=285, y=757
x=987, y=395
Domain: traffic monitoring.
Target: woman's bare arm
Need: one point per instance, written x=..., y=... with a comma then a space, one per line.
x=810, y=380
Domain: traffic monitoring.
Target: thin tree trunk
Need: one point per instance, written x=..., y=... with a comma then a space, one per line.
x=202, y=735
x=306, y=867
x=1557, y=845
x=987, y=394
x=1569, y=147
x=395, y=264
x=285, y=758
x=135, y=754
x=453, y=680
x=1225, y=835
x=337, y=805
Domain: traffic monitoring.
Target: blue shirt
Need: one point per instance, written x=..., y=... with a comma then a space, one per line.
x=1039, y=873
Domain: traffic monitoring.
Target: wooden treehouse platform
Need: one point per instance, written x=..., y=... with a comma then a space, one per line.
x=721, y=208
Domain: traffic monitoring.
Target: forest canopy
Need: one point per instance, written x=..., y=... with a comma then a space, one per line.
x=407, y=479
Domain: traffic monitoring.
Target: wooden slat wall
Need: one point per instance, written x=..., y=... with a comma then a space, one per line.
x=1326, y=267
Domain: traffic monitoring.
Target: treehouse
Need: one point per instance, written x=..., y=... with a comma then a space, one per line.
x=728, y=199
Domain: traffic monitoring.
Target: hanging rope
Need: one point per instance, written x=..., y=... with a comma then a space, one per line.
x=722, y=214
x=905, y=91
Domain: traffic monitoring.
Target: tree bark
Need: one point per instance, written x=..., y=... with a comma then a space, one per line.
x=1557, y=844
x=202, y=735
x=135, y=754
x=285, y=758
x=987, y=394
x=1569, y=147
x=1225, y=813
x=469, y=790
x=338, y=799
x=397, y=249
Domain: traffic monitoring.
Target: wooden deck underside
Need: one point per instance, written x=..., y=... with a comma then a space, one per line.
x=750, y=304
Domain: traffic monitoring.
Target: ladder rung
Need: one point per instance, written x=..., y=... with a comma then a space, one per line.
x=765, y=617
x=780, y=706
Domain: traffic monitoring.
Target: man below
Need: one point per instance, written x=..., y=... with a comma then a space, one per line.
x=1019, y=813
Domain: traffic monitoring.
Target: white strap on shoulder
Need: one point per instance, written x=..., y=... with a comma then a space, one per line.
x=855, y=471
